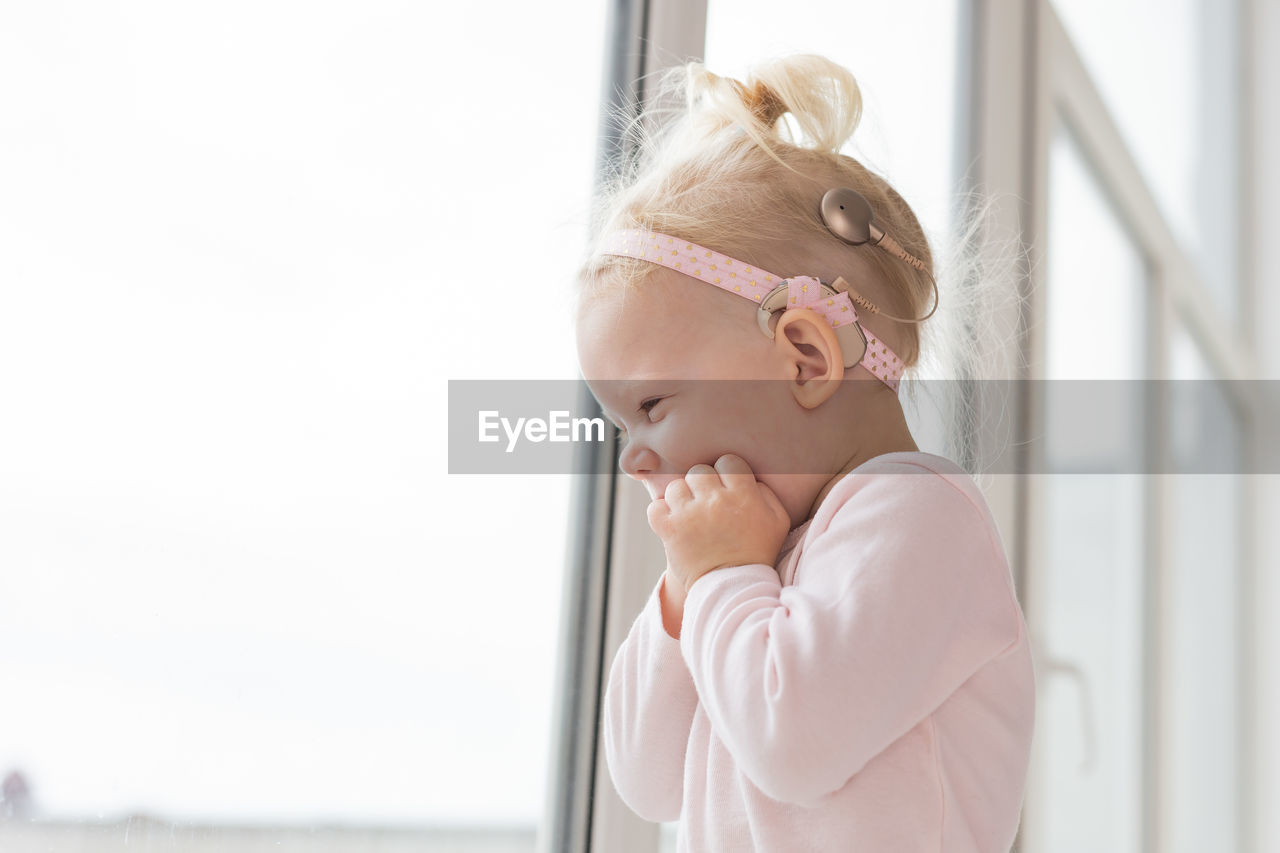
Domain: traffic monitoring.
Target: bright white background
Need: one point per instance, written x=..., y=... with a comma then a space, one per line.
x=242, y=248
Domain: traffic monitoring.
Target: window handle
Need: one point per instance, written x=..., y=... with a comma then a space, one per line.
x=1052, y=666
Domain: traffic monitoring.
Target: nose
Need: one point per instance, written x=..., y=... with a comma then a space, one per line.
x=637, y=460
x=640, y=463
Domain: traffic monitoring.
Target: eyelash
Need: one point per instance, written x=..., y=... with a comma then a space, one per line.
x=646, y=407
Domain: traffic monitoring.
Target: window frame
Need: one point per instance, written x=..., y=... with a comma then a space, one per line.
x=613, y=560
x=1027, y=75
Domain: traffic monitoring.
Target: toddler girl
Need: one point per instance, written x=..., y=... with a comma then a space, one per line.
x=834, y=658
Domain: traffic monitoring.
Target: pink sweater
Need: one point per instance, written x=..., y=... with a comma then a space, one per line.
x=872, y=692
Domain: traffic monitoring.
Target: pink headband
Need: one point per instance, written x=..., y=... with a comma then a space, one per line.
x=772, y=292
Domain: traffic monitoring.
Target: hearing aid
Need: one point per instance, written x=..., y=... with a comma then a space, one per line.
x=848, y=215
x=852, y=339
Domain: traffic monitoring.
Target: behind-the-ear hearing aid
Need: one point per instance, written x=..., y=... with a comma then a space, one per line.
x=848, y=215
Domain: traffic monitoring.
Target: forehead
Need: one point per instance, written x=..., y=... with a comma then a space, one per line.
x=669, y=326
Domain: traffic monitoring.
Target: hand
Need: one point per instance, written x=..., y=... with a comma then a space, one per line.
x=718, y=517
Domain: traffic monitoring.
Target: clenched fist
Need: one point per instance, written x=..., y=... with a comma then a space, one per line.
x=718, y=517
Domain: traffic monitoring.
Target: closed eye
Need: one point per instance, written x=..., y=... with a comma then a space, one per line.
x=647, y=405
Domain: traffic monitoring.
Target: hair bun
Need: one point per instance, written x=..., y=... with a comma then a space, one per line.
x=822, y=97
x=764, y=103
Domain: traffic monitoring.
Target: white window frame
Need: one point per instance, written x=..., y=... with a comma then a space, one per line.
x=1028, y=75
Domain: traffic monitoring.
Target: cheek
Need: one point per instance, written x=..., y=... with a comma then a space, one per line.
x=693, y=438
x=743, y=423
x=734, y=418
x=702, y=442
x=764, y=453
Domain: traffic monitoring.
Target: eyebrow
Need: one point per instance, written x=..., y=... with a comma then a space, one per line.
x=628, y=389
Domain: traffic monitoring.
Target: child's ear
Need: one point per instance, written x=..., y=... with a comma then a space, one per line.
x=807, y=342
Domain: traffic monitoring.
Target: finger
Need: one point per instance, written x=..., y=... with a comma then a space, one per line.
x=774, y=503
x=657, y=513
x=677, y=492
x=702, y=479
x=734, y=471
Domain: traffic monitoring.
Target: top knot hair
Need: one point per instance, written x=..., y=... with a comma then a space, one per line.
x=821, y=96
x=763, y=102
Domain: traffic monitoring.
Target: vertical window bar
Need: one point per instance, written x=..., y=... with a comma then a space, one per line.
x=579, y=676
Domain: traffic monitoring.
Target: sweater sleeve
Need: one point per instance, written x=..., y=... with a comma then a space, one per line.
x=648, y=713
x=895, y=604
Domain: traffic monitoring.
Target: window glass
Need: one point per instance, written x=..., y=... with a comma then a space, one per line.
x=1176, y=102
x=1203, y=650
x=244, y=247
x=1089, y=588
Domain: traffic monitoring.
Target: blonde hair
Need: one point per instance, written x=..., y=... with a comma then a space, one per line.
x=741, y=167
